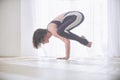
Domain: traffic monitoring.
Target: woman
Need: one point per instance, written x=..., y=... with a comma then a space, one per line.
x=60, y=28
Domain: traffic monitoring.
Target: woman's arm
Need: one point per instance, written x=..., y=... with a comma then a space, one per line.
x=67, y=45
x=52, y=28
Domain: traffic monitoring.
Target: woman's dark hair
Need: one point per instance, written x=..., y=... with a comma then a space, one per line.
x=38, y=37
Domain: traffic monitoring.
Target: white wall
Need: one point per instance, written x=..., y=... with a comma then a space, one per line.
x=9, y=27
x=18, y=22
x=16, y=28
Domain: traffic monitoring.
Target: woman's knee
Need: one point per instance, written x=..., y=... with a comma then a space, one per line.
x=60, y=32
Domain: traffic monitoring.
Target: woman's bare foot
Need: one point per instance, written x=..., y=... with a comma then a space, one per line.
x=89, y=44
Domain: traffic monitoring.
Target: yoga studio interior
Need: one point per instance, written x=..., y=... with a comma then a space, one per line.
x=19, y=60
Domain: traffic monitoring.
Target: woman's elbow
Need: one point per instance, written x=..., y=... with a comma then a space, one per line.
x=67, y=41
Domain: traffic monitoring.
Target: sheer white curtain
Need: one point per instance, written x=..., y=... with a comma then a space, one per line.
x=101, y=26
x=114, y=28
x=94, y=26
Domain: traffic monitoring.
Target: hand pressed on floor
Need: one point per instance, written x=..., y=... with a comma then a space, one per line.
x=63, y=58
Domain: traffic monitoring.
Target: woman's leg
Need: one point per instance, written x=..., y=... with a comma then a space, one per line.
x=69, y=23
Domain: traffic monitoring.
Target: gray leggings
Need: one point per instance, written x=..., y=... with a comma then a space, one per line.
x=71, y=20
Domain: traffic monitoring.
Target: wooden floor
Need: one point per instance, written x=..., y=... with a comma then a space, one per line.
x=52, y=69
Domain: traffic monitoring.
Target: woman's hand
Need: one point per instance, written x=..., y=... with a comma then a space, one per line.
x=63, y=58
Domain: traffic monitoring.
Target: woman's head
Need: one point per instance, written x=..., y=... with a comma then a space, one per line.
x=40, y=36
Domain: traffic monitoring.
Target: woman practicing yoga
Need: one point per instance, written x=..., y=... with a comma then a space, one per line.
x=60, y=28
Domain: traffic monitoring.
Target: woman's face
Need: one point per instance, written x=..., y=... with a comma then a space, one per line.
x=46, y=38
